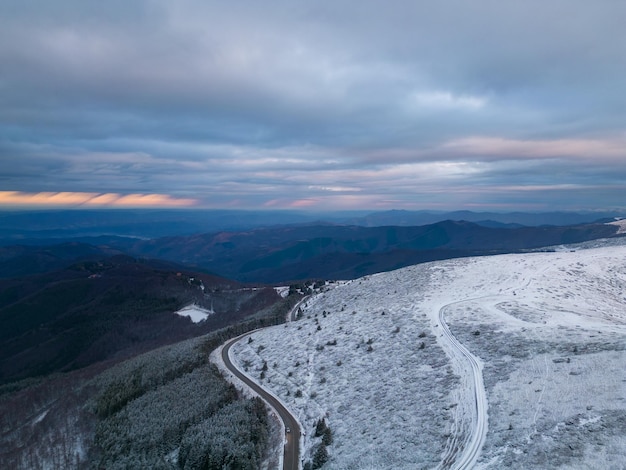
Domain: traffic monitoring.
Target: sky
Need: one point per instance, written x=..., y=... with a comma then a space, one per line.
x=320, y=105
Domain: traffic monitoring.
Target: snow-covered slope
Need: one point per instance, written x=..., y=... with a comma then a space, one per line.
x=549, y=330
x=621, y=223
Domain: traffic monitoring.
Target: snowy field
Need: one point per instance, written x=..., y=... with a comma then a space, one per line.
x=369, y=356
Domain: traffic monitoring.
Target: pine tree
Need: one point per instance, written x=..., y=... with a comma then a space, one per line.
x=320, y=457
x=320, y=427
x=327, y=437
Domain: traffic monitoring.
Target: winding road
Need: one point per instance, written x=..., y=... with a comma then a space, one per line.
x=474, y=444
x=458, y=455
x=291, y=457
x=291, y=460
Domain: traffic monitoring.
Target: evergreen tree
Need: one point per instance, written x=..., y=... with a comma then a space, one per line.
x=320, y=427
x=320, y=457
x=327, y=437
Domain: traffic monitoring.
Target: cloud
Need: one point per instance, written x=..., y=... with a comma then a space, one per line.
x=315, y=103
x=446, y=100
x=611, y=149
x=335, y=189
x=71, y=199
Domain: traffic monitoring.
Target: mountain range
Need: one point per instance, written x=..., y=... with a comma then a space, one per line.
x=41, y=227
x=283, y=254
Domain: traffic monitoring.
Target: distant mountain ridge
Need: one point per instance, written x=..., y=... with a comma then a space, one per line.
x=512, y=219
x=39, y=227
x=283, y=254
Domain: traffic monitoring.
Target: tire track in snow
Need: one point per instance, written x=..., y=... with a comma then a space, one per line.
x=470, y=449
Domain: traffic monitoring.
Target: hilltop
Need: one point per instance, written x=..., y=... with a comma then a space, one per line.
x=369, y=357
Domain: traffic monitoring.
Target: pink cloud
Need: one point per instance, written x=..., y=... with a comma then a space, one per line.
x=66, y=198
x=582, y=148
x=304, y=203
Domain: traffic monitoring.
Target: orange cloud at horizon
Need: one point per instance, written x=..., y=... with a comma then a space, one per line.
x=64, y=198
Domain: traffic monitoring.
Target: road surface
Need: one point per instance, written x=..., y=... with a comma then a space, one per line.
x=291, y=459
x=292, y=315
x=474, y=443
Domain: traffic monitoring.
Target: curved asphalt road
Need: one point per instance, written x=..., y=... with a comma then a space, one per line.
x=479, y=410
x=291, y=460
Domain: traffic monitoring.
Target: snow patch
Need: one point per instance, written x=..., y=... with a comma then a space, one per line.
x=283, y=291
x=40, y=418
x=195, y=313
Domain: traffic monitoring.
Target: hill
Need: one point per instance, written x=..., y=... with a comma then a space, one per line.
x=367, y=357
x=24, y=260
x=113, y=307
x=370, y=359
x=168, y=408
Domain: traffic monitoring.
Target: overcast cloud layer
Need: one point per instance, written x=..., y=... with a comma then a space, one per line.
x=322, y=104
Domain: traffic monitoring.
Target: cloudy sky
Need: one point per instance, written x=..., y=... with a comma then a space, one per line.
x=447, y=104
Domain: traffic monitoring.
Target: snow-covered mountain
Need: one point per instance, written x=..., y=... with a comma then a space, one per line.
x=548, y=331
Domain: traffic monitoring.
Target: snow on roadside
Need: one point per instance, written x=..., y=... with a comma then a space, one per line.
x=368, y=356
x=353, y=363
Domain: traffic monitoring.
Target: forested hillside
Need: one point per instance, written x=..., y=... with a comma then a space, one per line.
x=168, y=408
x=94, y=310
